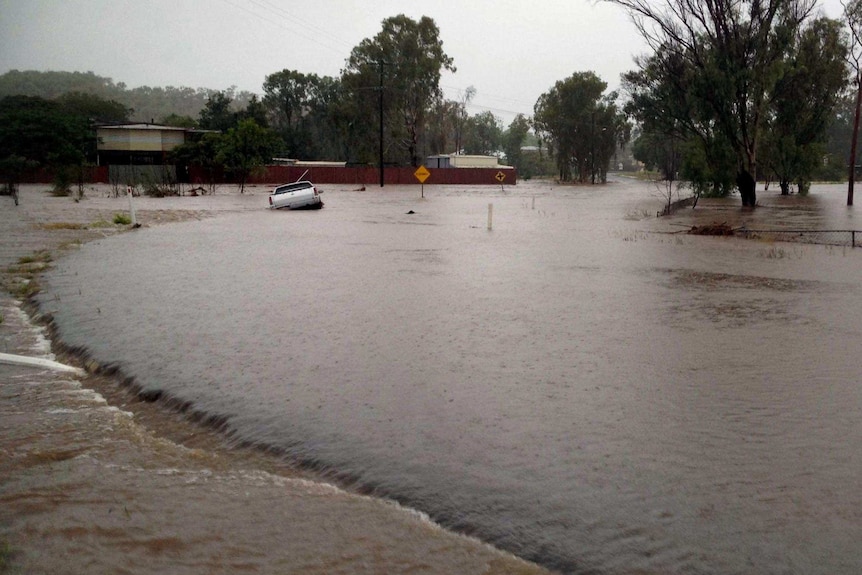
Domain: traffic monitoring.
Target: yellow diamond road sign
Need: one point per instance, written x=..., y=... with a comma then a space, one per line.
x=500, y=177
x=422, y=174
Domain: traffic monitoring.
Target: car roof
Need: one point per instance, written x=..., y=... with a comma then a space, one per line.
x=295, y=185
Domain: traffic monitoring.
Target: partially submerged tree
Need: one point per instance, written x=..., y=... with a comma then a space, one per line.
x=803, y=104
x=581, y=126
x=722, y=60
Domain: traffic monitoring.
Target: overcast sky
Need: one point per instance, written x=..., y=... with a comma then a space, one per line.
x=511, y=51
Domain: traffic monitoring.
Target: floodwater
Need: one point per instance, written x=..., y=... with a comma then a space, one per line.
x=571, y=386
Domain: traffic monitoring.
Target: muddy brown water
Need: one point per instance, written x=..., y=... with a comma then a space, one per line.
x=576, y=385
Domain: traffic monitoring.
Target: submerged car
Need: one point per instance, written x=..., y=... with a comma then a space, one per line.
x=302, y=195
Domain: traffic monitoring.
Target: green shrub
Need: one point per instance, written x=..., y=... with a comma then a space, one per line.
x=122, y=219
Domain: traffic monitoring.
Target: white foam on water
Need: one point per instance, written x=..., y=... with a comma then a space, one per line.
x=13, y=359
x=85, y=394
x=42, y=344
x=119, y=411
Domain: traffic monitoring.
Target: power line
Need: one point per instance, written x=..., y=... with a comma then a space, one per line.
x=267, y=5
x=293, y=29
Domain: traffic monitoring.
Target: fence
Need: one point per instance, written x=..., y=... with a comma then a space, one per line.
x=852, y=238
x=123, y=175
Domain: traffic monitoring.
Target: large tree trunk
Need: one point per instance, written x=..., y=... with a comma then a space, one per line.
x=747, y=188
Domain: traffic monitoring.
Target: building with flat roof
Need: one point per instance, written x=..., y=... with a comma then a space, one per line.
x=462, y=161
x=139, y=144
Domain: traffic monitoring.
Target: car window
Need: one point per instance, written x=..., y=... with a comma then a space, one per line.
x=292, y=187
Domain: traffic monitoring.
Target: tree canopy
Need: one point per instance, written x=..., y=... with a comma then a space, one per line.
x=35, y=132
x=244, y=148
x=406, y=58
x=581, y=125
x=715, y=72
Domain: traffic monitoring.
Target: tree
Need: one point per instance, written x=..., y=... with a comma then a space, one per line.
x=669, y=110
x=483, y=134
x=245, y=148
x=513, y=139
x=12, y=168
x=440, y=130
x=839, y=133
x=610, y=131
x=461, y=117
x=658, y=152
x=51, y=85
x=179, y=121
x=254, y=110
x=727, y=57
x=203, y=152
x=217, y=113
x=406, y=57
x=581, y=126
x=803, y=104
x=144, y=103
x=94, y=108
x=36, y=132
x=300, y=106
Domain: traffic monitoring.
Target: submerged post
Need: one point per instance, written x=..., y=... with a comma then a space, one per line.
x=132, y=208
x=490, y=216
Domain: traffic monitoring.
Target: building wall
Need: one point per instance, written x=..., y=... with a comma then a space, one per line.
x=461, y=161
x=139, y=140
x=171, y=140
x=473, y=161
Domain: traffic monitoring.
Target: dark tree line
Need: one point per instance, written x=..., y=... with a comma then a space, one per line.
x=145, y=103
x=57, y=134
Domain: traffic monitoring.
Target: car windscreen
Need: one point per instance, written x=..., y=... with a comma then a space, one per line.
x=292, y=187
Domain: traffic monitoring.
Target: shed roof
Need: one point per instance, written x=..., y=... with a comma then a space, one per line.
x=141, y=127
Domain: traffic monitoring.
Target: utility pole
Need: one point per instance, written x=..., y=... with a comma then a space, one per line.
x=853, y=18
x=852, y=176
x=593, y=147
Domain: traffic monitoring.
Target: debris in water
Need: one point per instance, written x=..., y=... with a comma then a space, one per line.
x=713, y=229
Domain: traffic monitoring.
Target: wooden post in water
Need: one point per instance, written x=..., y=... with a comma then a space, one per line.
x=490, y=216
x=132, y=208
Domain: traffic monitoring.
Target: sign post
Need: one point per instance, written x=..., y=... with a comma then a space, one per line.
x=422, y=174
x=500, y=177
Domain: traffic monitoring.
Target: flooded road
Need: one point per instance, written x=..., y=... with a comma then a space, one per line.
x=571, y=386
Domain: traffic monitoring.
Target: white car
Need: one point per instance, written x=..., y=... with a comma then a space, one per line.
x=296, y=196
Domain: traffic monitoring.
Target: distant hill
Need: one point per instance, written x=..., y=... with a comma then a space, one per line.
x=148, y=103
